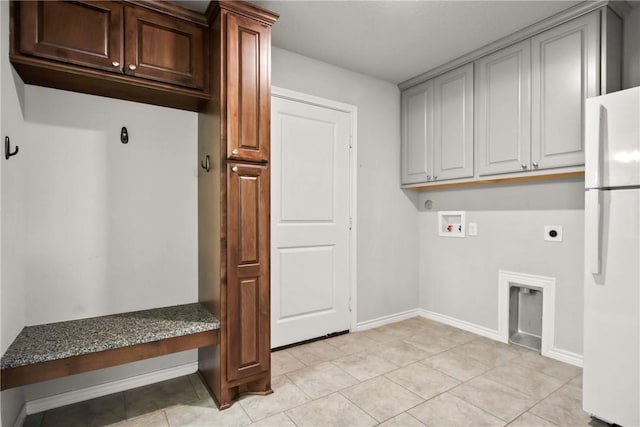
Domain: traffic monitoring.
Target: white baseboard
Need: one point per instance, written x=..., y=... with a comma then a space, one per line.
x=461, y=324
x=565, y=356
x=46, y=403
x=555, y=353
x=385, y=320
x=22, y=416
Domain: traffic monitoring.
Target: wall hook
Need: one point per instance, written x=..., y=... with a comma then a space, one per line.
x=124, y=135
x=206, y=163
x=7, y=148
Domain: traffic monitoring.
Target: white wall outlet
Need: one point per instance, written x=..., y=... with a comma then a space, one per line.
x=473, y=229
x=553, y=233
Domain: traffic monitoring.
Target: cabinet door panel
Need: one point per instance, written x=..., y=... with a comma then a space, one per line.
x=248, y=94
x=564, y=73
x=417, y=134
x=85, y=33
x=503, y=110
x=164, y=48
x=453, y=124
x=248, y=270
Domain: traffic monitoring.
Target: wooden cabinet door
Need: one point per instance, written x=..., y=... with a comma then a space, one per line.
x=453, y=124
x=503, y=110
x=248, y=290
x=248, y=89
x=87, y=33
x=164, y=48
x=565, y=72
x=417, y=134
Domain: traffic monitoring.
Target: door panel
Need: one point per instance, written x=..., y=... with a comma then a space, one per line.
x=310, y=221
x=248, y=270
x=248, y=89
x=564, y=73
x=612, y=307
x=85, y=33
x=453, y=124
x=163, y=48
x=417, y=134
x=503, y=110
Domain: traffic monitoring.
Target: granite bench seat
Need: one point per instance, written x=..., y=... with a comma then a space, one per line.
x=54, y=350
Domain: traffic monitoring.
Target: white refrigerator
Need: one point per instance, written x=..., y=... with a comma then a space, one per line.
x=611, y=375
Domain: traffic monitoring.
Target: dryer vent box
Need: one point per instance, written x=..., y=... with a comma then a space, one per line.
x=451, y=223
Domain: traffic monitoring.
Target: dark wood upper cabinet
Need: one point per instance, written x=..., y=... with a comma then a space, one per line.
x=87, y=33
x=248, y=89
x=145, y=51
x=163, y=48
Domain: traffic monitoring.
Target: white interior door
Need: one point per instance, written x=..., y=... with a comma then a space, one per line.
x=310, y=220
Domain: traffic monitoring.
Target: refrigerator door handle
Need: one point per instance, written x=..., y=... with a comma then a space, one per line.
x=600, y=135
x=593, y=213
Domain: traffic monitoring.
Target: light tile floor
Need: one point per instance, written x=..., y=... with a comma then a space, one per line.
x=411, y=373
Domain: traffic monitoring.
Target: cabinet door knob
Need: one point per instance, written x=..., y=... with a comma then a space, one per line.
x=132, y=67
x=535, y=164
x=235, y=151
x=428, y=177
x=435, y=177
x=115, y=63
x=235, y=169
x=524, y=165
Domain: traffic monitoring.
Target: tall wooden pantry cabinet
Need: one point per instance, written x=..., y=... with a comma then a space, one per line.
x=233, y=197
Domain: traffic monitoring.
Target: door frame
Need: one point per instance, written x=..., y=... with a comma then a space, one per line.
x=352, y=110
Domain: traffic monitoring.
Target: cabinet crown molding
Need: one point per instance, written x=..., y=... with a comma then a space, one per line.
x=257, y=13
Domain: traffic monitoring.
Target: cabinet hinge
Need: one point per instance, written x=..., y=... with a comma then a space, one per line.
x=350, y=223
x=350, y=141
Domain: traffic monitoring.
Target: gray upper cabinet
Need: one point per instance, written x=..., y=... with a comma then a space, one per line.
x=453, y=124
x=565, y=71
x=503, y=110
x=516, y=110
x=417, y=134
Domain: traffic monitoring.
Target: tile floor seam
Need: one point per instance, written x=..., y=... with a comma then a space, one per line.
x=538, y=399
x=486, y=410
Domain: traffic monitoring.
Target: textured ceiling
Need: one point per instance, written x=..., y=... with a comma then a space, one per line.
x=396, y=40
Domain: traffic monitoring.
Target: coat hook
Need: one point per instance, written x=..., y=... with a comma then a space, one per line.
x=7, y=148
x=124, y=135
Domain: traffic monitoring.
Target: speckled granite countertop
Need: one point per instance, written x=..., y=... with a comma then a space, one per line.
x=55, y=341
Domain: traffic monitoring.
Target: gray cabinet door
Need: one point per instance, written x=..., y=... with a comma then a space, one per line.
x=417, y=133
x=565, y=72
x=453, y=124
x=503, y=110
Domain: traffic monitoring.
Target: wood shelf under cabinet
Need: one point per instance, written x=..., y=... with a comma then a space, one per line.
x=495, y=180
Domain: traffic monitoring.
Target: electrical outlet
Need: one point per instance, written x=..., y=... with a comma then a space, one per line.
x=553, y=233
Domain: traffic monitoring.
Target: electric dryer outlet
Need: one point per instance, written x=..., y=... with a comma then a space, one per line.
x=553, y=233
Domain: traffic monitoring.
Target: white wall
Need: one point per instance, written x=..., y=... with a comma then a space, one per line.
x=110, y=227
x=631, y=49
x=459, y=277
x=12, y=314
x=387, y=218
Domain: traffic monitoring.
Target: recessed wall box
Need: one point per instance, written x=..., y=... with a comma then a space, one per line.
x=451, y=223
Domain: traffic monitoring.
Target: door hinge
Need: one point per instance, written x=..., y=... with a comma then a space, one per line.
x=350, y=223
x=350, y=141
